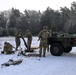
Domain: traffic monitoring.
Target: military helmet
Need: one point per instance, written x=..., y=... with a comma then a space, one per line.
x=45, y=27
x=5, y=42
x=28, y=30
x=19, y=30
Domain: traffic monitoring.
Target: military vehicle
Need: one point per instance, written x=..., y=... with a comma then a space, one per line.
x=60, y=43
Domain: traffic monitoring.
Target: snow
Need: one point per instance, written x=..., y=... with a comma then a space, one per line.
x=49, y=65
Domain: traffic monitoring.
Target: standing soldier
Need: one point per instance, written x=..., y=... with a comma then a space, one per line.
x=43, y=35
x=29, y=39
x=17, y=39
x=50, y=34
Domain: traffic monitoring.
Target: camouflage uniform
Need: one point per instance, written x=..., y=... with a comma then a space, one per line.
x=29, y=37
x=17, y=39
x=43, y=35
x=50, y=34
x=8, y=48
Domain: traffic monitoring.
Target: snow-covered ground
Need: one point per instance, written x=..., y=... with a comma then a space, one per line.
x=49, y=65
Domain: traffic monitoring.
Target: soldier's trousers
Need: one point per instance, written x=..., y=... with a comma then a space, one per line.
x=48, y=48
x=44, y=51
x=17, y=44
x=29, y=45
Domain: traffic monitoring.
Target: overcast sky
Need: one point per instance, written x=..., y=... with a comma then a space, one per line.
x=34, y=4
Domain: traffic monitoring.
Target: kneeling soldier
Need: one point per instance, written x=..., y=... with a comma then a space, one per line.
x=8, y=49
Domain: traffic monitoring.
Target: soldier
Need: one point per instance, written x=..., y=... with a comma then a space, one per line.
x=43, y=35
x=8, y=48
x=29, y=39
x=50, y=34
x=17, y=39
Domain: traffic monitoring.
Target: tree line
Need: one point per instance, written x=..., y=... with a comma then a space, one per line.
x=63, y=20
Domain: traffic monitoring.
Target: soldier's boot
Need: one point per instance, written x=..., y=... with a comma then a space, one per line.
x=48, y=48
x=44, y=51
x=16, y=48
x=27, y=48
x=2, y=52
x=13, y=52
x=43, y=54
x=40, y=55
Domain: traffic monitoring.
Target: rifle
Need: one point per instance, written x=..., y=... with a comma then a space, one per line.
x=13, y=47
x=24, y=41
